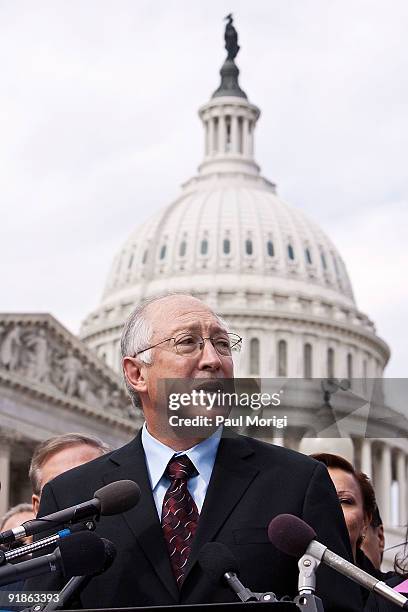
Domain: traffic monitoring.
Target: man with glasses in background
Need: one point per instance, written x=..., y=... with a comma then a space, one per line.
x=200, y=486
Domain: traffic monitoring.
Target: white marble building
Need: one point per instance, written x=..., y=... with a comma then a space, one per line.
x=51, y=383
x=271, y=272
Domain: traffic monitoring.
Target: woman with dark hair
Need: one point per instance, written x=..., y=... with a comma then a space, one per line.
x=357, y=498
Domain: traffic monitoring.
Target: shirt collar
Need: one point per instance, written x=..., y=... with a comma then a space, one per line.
x=158, y=455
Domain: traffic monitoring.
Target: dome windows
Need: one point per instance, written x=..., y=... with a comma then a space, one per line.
x=163, y=251
x=130, y=262
x=307, y=360
x=323, y=259
x=330, y=363
x=349, y=366
x=183, y=248
x=269, y=249
x=282, y=358
x=291, y=252
x=228, y=134
x=336, y=267
x=249, y=248
x=226, y=246
x=145, y=256
x=204, y=248
x=254, y=357
x=308, y=256
x=240, y=135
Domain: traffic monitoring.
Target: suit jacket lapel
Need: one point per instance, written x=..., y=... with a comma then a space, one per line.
x=230, y=479
x=128, y=462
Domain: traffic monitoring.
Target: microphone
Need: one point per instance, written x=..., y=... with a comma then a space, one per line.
x=292, y=536
x=27, y=549
x=218, y=562
x=80, y=553
x=114, y=498
x=77, y=583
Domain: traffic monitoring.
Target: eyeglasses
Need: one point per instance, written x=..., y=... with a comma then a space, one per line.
x=192, y=344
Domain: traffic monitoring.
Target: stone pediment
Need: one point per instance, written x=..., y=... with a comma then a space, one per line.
x=41, y=356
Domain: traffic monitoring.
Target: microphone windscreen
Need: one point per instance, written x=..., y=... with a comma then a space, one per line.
x=290, y=534
x=82, y=554
x=118, y=497
x=216, y=559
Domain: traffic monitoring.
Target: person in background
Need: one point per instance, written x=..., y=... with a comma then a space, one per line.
x=357, y=499
x=374, y=542
x=16, y=516
x=51, y=458
x=13, y=518
x=60, y=454
x=398, y=581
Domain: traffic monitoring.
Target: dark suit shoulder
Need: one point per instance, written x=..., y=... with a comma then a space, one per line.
x=279, y=454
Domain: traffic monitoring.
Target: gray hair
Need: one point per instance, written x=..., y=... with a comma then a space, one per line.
x=137, y=334
x=24, y=507
x=53, y=445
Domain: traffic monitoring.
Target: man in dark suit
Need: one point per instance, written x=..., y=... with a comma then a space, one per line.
x=196, y=487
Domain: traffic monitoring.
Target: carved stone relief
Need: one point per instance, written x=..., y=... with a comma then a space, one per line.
x=35, y=351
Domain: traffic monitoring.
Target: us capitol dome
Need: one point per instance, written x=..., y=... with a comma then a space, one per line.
x=230, y=240
x=273, y=275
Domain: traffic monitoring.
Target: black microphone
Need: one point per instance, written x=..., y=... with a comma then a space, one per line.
x=114, y=498
x=218, y=562
x=78, y=554
x=292, y=536
x=76, y=584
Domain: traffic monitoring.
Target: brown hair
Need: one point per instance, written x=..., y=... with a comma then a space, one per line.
x=52, y=446
x=366, y=488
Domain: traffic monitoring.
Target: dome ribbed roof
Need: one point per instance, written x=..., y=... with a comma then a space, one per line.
x=229, y=227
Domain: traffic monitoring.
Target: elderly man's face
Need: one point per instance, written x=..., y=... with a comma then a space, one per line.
x=170, y=317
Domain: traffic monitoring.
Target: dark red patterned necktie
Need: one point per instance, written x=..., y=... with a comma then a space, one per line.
x=179, y=514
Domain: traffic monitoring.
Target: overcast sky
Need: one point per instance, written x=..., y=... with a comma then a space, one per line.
x=99, y=127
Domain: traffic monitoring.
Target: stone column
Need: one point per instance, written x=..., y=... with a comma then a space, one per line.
x=221, y=135
x=319, y=357
x=4, y=476
x=385, y=479
x=340, y=366
x=206, y=130
x=272, y=359
x=402, y=487
x=251, y=138
x=295, y=356
x=366, y=460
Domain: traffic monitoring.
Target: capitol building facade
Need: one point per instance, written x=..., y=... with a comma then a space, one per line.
x=268, y=270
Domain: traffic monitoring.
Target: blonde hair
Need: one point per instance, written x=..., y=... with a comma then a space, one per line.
x=52, y=446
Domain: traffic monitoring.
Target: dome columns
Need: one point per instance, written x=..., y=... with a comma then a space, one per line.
x=385, y=463
x=229, y=128
x=402, y=487
x=5, y=462
x=366, y=458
